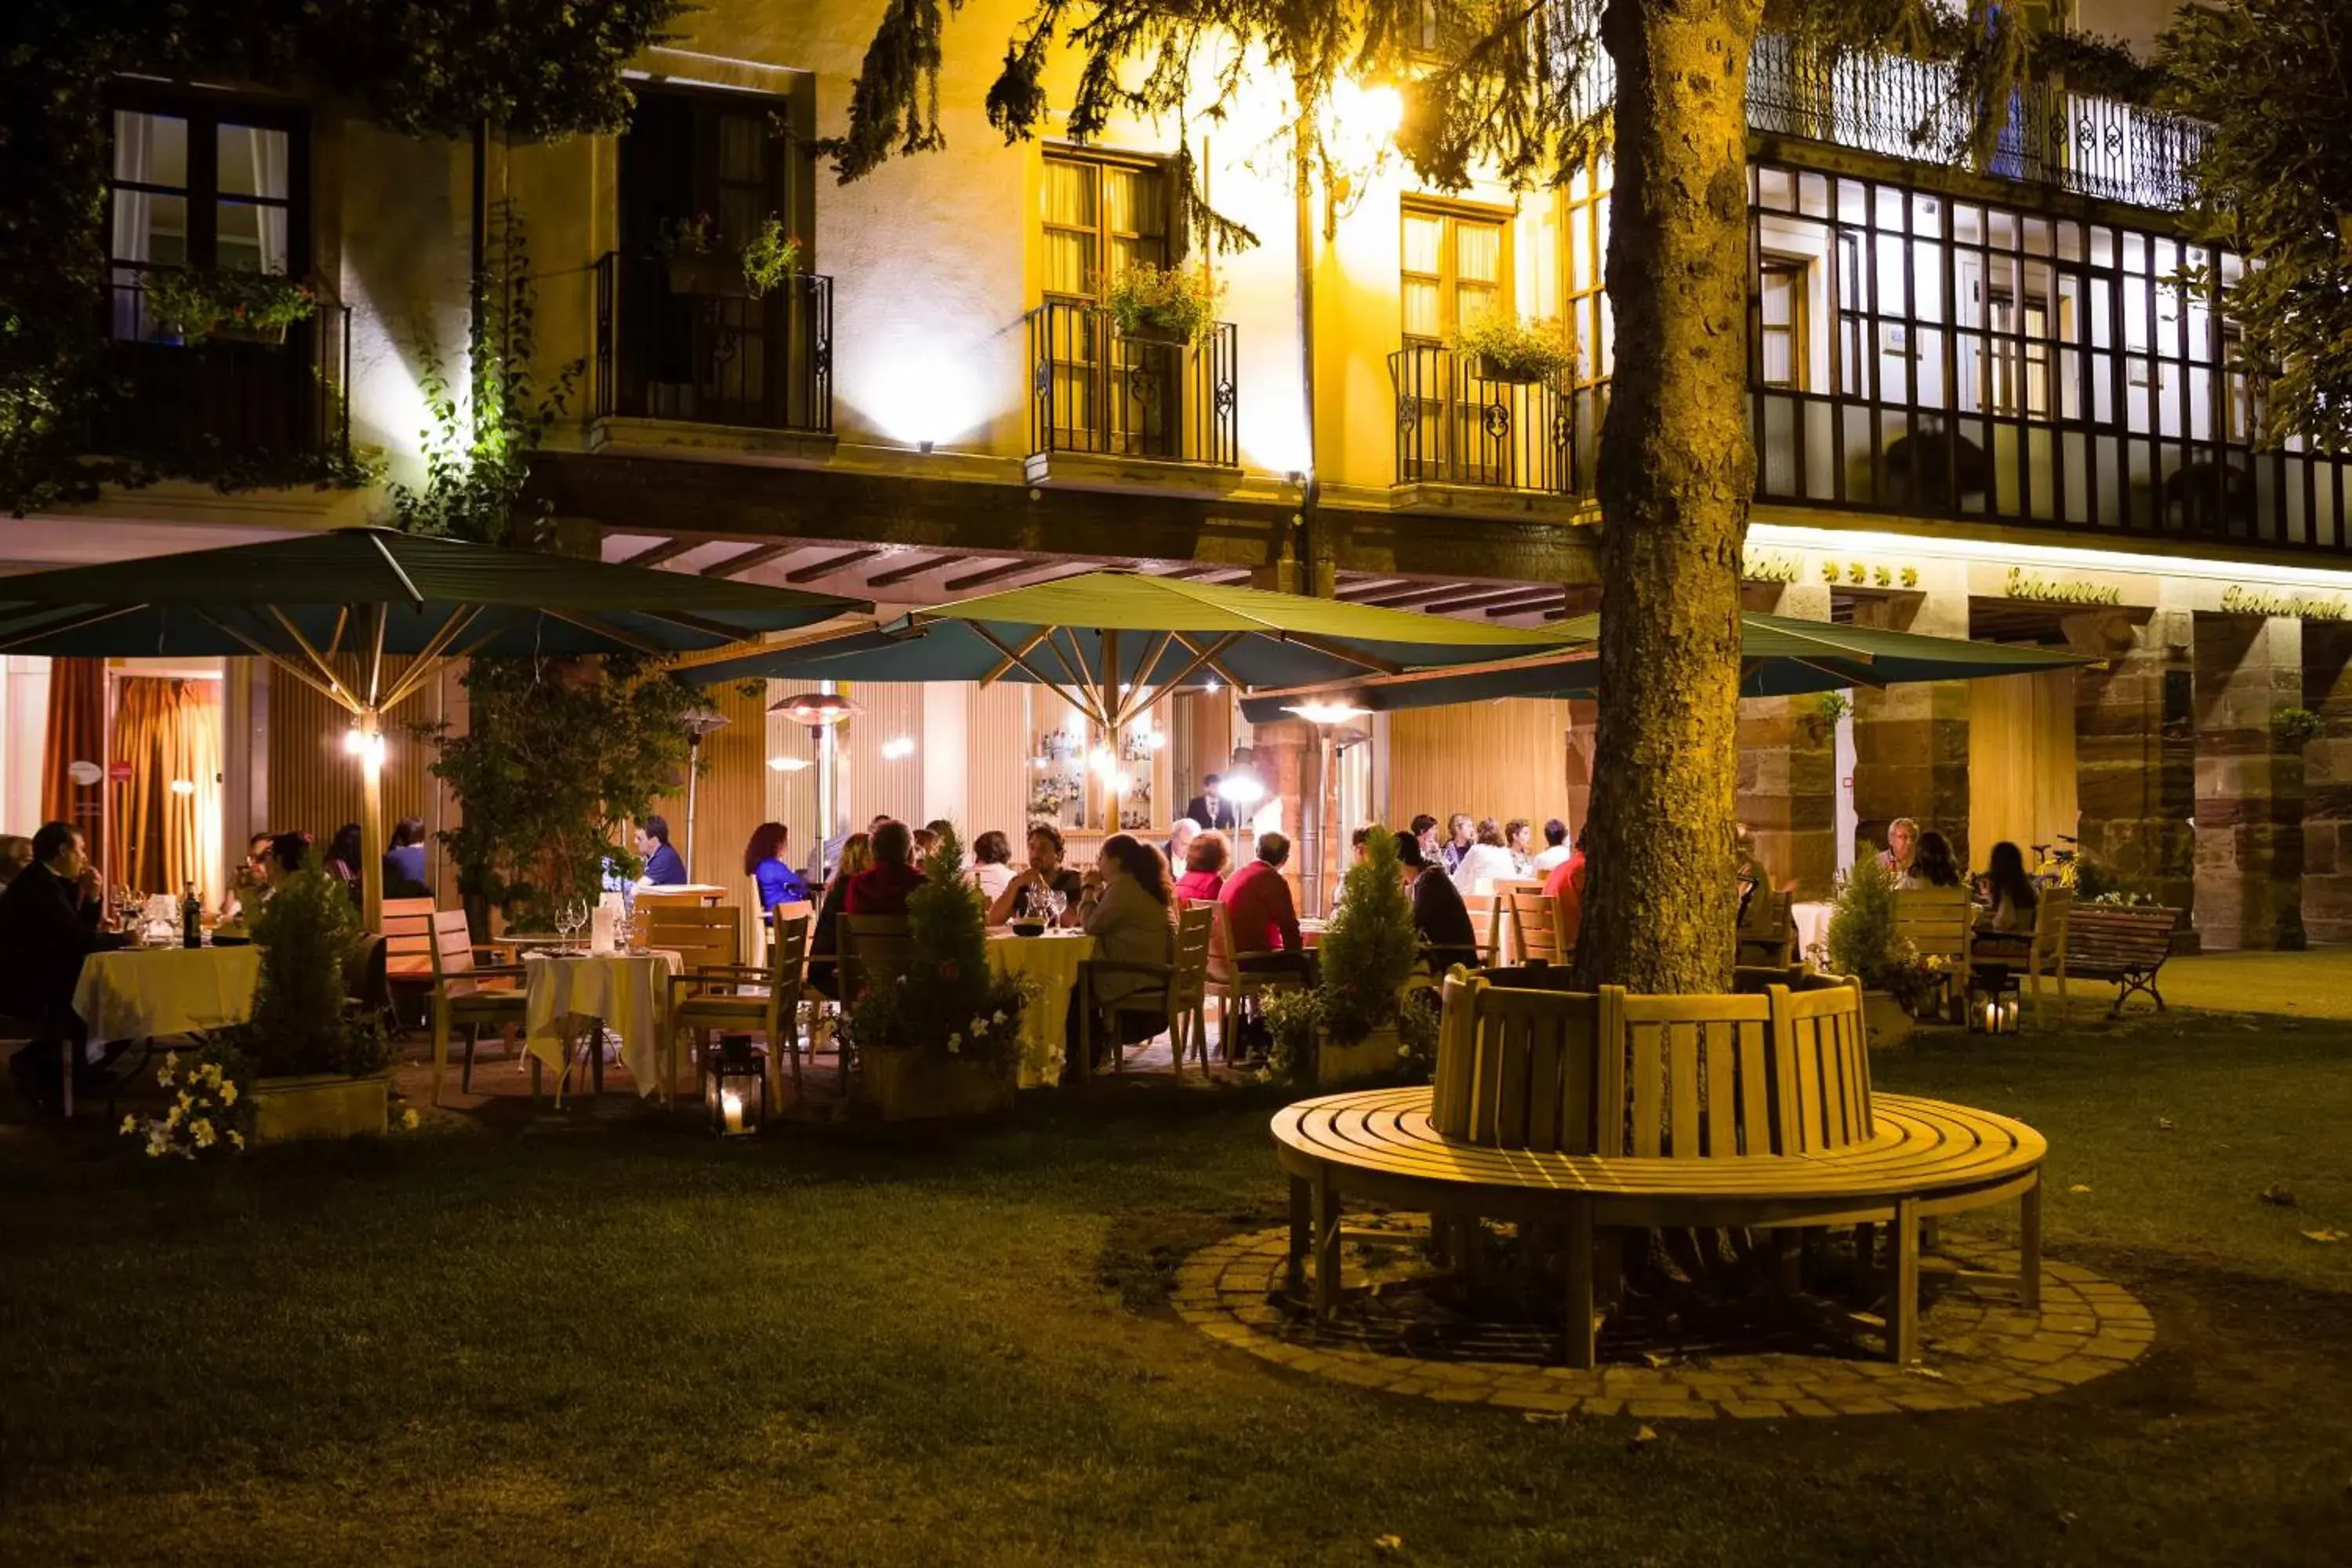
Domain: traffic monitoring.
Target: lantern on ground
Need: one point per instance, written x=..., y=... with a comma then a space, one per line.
x=1993, y=1002
x=735, y=1088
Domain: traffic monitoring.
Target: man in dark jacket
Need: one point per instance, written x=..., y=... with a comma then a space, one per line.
x=49, y=923
x=1210, y=808
x=1439, y=916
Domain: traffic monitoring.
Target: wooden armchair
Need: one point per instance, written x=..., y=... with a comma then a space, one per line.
x=2052, y=916
x=1178, y=1003
x=1767, y=931
x=408, y=951
x=773, y=1009
x=1230, y=983
x=468, y=995
x=1939, y=921
x=709, y=941
x=1535, y=927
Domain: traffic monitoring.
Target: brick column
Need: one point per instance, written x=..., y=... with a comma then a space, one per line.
x=2249, y=788
x=2136, y=754
x=2327, y=783
x=1788, y=773
x=1911, y=742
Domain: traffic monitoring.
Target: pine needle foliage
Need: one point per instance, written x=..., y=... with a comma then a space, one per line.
x=1370, y=948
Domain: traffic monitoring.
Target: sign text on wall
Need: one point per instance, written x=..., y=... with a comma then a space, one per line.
x=2238, y=600
x=2023, y=584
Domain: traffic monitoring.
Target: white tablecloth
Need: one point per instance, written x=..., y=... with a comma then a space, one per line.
x=1051, y=964
x=140, y=993
x=1812, y=923
x=629, y=992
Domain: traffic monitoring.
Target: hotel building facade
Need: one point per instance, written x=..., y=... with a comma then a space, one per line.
x=1983, y=404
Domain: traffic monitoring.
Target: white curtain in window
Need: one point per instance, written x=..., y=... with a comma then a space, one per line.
x=133, y=160
x=1069, y=215
x=269, y=175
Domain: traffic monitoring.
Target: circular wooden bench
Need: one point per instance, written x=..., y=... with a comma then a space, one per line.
x=1611, y=1112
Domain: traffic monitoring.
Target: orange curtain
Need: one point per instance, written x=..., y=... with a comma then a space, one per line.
x=170, y=819
x=76, y=734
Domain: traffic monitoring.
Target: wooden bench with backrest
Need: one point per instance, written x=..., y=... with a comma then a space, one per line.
x=1608, y=1112
x=2125, y=945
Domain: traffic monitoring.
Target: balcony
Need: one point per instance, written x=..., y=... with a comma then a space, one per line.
x=1457, y=426
x=1905, y=108
x=251, y=412
x=1100, y=398
x=683, y=344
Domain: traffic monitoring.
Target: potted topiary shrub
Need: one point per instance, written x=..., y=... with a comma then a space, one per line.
x=1862, y=942
x=1506, y=349
x=943, y=1038
x=1352, y=1025
x=1169, y=305
x=320, y=1068
x=196, y=305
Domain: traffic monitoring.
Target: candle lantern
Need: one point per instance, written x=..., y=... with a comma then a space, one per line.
x=735, y=1088
x=1993, y=1002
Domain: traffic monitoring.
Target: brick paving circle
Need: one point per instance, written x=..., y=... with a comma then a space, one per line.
x=1980, y=1347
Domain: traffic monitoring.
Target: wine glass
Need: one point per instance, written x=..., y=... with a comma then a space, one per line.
x=1055, y=901
x=574, y=917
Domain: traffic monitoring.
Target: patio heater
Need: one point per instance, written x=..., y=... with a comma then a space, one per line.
x=822, y=711
x=1315, y=829
x=699, y=723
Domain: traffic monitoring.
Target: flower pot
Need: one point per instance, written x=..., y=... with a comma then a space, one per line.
x=1883, y=1021
x=1373, y=1057
x=917, y=1085
x=273, y=336
x=708, y=276
x=319, y=1105
x=1492, y=369
x=1158, y=332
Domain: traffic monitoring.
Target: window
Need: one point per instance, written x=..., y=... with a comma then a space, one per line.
x=1780, y=321
x=203, y=184
x=1452, y=273
x=2020, y=365
x=701, y=173
x=1100, y=216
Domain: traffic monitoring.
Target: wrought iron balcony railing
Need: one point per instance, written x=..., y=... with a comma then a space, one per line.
x=681, y=338
x=229, y=402
x=1095, y=389
x=1913, y=109
x=1458, y=425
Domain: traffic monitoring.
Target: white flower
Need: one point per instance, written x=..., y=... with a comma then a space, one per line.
x=999, y=1016
x=130, y=1124
x=236, y=1138
x=955, y=1044
x=228, y=1092
x=408, y=1120
x=204, y=1132
x=979, y=1028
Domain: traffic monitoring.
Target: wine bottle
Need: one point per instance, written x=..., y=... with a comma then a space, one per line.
x=192, y=917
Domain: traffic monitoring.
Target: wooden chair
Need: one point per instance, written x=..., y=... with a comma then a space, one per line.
x=874, y=950
x=408, y=949
x=1504, y=889
x=1535, y=927
x=1767, y=931
x=709, y=941
x=1487, y=911
x=1939, y=921
x=646, y=898
x=773, y=1009
x=1230, y=984
x=1178, y=1003
x=468, y=995
x=2053, y=913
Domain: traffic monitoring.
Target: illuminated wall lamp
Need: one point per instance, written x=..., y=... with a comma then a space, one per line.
x=788, y=764
x=898, y=748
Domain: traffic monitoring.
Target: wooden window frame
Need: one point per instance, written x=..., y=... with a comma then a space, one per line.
x=1800, y=270
x=1101, y=234
x=1451, y=212
x=204, y=113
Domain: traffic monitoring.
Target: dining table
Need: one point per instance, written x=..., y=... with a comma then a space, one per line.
x=1049, y=963
x=627, y=993
x=153, y=993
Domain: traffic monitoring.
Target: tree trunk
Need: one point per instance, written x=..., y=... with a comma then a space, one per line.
x=1675, y=470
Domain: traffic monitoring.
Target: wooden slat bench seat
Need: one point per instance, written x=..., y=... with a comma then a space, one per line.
x=2125, y=945
x=1610, y=1111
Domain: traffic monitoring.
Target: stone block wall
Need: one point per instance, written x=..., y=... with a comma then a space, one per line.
x=2327, y=783
x=2249, y=787
x=1787, y=773
x=1911, y=742
x=2136, y=759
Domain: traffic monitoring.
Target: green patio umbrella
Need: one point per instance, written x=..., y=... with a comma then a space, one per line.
x=1111, y=642
x=1779, y=657
x=371, y=592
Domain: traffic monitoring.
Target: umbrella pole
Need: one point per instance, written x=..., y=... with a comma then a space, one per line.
x=372, y=819
x=693, y=774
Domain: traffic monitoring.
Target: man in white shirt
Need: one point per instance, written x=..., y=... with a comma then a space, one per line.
x=1555, y=849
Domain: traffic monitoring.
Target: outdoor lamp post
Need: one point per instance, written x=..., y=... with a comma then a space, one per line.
x=699, y=723
x=823, y=711
x=1315, y=829
x=364, y=740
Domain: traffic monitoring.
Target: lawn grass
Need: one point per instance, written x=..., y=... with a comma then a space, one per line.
x=626, y=1344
